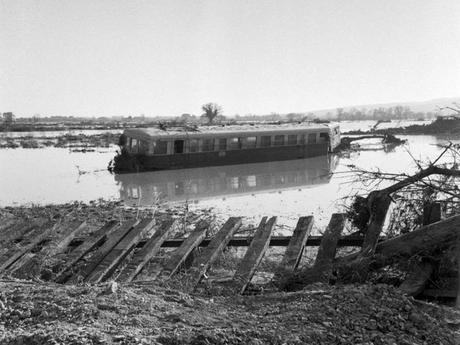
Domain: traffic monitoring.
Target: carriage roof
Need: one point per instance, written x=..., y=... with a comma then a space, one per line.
x=224, y=131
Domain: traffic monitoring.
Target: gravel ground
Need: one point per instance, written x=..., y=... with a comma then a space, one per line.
x=39, y=313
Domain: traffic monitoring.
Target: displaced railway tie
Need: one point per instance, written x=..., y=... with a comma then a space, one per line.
x=121, y=251
x=145, y=250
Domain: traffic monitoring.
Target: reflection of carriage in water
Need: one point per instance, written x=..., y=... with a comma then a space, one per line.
x=201, y=183
x=154, y=149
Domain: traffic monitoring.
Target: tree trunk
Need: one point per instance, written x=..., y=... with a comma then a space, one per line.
x=423, y=241
x=458, y=273
x=379, y=202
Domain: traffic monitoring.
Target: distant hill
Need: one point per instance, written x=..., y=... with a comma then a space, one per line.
x=423, y=106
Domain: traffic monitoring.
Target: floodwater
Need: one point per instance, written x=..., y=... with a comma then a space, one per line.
x=288, y=189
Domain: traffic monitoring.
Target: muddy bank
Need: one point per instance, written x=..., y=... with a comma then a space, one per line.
x=32, y=313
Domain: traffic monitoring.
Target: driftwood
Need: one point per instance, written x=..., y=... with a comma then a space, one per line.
x=345, y=142
x=423, y=242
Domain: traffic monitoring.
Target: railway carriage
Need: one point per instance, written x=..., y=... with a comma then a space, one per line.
x=150, y=149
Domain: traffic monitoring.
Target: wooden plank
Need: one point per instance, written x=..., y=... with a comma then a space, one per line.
x=9, y=235
x=19, y=263
x=328, y=246
x=17, y=252
x=254, y=255
x=209, y=255
x=113, y=258
x=7, y=223
x=102, y=251
x=322, y=267
x=95, y=239
x=63, y=233
x=379, y=203
x=19, y=230
x=180, y=254
x=147, y=252
x=295, y=248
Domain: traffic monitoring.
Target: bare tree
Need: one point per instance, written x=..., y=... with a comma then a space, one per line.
x=434, y=181
x=211, y=111
x=8, y=119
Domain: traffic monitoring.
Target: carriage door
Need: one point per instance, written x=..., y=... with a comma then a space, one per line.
x=178, y=158
x=178, y=146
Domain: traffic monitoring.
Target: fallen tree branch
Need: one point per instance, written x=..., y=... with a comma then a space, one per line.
x=424, y=241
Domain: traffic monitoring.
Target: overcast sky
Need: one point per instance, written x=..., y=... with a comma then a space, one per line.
x=130, y=57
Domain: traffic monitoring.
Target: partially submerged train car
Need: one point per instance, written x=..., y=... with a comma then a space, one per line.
x=150, y=149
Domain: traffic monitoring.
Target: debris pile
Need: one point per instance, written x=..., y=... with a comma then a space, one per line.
x=99, y=212
x=75, y=142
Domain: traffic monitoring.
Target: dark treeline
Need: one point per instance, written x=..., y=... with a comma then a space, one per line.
x=397, y=112
x=38, y=122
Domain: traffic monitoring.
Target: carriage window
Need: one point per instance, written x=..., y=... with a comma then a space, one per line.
x=178, y=146
x=251, y=181
x=208, y=145
x=160, y=147
x=134, y=147
x=292, y=139
x=143, y=146
x=279, y=140
x=265, y=141
x=234, y=183
x=234, y=144
x=194, y=144
x=222, y=144
x=323, y=137
x=302, y=139
x=250, y=142
x=312, y=138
